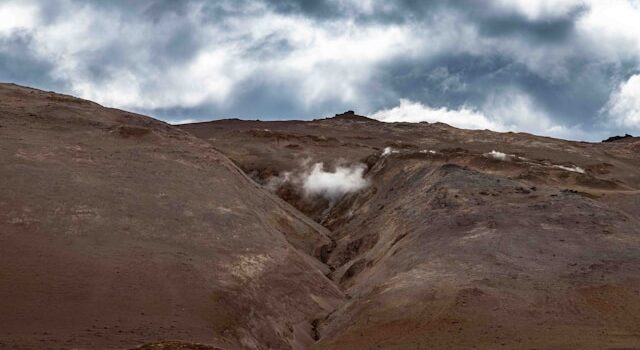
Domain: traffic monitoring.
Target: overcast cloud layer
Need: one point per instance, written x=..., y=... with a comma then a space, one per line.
x=564, y=68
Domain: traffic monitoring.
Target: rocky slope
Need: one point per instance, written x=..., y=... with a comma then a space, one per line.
x=118, y=230
x=463, y=239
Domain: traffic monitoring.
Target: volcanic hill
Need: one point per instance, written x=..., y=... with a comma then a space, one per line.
x=119, y=231
x=463, y=238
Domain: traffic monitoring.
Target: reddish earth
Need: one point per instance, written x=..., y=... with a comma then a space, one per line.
x=450, y=247
x=118, y=231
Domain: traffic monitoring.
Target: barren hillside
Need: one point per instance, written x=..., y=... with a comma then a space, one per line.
x=462, y=239
x=119, y=231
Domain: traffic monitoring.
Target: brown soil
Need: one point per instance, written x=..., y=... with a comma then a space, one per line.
x=451, y=248
x=118, y=231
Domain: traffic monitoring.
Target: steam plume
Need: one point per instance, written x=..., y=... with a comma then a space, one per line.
x=333, y=185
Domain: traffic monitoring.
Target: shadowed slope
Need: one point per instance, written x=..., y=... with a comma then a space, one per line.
x=118, y=230
x=453, y=245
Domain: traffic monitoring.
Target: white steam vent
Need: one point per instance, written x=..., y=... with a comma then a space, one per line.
x=276, y=182
x=498, y=155
x=333, y=185
x=575, y=169
x=388, y=150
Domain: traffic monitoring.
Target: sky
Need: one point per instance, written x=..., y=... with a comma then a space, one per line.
x=563, y=68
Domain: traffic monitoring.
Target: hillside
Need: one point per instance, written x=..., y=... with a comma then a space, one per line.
x=462, y=239
x=117, y=230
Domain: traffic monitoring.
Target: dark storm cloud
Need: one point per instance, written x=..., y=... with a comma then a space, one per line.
x=450, y=81
x=467, y=53
x=446, y=80
x=317, y=9
x=18, y=63
x=491, y=20
x=256, y=99
x=393, y=11
x=554, y=30
x=271, y=46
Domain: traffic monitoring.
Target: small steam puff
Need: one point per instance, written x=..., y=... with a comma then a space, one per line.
x=575, y=168
x=388, y=150
x=430, y=151
x=498, y=155
x=333, y=185
x=276, y=182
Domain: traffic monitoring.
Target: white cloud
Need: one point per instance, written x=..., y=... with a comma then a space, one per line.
x=414, y=112
x=324, y=62
x=327, y=61
x=139, y=83
x=610, y=28
x=16, y=16
x=623, y=108
x=519, y=112
x=182, y=121
x=508, y=111
x=334, y=60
